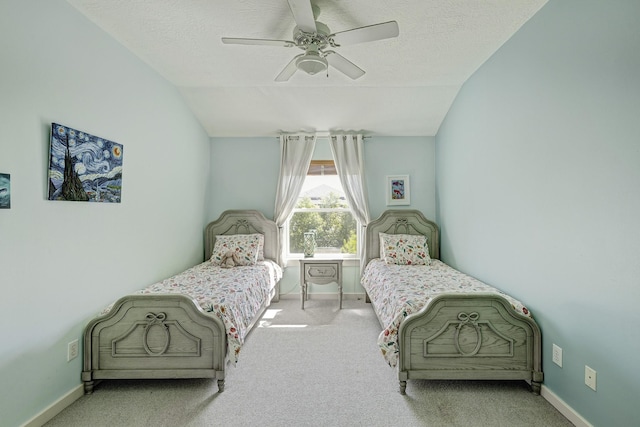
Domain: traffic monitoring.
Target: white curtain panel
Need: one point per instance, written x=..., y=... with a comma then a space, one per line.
x=348, y=155
x=295, y=156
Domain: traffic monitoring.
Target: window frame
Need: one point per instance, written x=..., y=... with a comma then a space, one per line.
x=296, y=255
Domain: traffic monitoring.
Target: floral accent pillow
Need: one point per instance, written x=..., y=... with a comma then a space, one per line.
x=404, y=249
x=247, y=247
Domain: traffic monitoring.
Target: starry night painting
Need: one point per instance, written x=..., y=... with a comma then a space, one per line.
x=83, y=167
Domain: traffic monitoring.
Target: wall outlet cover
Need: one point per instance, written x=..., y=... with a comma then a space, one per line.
x=72, y=350
x=557, y=355
x=590, y=377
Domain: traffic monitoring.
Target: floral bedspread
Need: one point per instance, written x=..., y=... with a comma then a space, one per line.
x=396, y=291
x=233, y=294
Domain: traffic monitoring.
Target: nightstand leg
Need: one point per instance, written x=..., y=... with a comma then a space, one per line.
x=340, y=293
x=303, y=293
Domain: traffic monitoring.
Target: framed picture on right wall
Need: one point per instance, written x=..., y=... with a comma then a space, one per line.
x=397, y=190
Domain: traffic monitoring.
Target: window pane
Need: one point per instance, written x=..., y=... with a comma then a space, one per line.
x=335, y=232
x=328, y=213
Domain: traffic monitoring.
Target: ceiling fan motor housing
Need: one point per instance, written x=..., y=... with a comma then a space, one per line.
x=320, y=38
x=313, y=61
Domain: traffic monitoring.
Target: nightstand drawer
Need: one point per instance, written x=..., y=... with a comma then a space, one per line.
x=321, y=271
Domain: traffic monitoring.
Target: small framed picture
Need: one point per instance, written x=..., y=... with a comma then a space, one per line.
x=397, y=190
x=5, y=191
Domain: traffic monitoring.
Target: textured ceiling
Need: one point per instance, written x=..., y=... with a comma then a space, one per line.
x=409, y=85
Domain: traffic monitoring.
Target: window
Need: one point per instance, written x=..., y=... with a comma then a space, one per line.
x=323, y=209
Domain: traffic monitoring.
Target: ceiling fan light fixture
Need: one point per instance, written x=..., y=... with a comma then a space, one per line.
x=311, y=63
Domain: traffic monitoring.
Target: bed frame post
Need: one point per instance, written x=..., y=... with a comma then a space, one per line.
x=403, y=382
x=536, y=383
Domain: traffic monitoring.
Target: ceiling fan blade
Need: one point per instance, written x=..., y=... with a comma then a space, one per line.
x=303, y=15
x=343, y=65
x=258, y=42
x=369, y=33
x=288, y=71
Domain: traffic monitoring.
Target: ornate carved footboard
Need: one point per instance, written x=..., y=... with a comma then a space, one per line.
x=460, y=336
x=154, y=336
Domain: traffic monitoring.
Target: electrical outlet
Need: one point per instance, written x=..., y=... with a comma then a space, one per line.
x=72, y=350
x=590, y=377
x=557, y=355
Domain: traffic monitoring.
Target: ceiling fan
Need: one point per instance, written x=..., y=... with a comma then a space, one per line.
x=316, y=40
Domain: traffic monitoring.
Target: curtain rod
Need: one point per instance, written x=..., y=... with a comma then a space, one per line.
x=320, y=136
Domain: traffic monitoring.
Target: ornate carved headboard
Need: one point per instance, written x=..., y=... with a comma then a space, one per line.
x=401, y=221
x=244, y=222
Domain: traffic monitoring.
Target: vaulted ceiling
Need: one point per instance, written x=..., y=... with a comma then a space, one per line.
x=410, y=82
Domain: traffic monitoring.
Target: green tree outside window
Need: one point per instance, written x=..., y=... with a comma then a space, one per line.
x=335, y=230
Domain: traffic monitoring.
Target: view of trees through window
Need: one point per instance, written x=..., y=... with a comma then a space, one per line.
x=322, y=208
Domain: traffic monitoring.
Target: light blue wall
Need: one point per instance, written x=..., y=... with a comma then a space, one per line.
x=538, y=183
x=245, y=176
x=62, y=262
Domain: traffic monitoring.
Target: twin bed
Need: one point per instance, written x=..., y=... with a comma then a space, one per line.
x=192, y=324
x=439, y=323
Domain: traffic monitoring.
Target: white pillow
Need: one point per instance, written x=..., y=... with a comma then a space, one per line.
x=247, y=247
x=404, y=249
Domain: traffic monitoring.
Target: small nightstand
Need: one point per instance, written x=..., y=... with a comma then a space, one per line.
x=320, y=272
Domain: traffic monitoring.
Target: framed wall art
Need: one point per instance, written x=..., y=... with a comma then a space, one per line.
x=5, y=191
x=84, y=167
x=397, y=190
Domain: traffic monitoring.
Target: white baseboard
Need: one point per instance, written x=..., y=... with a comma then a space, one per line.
x=55, y=408
x=564, y=409
x=324, y=296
